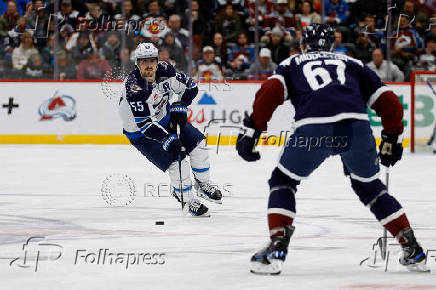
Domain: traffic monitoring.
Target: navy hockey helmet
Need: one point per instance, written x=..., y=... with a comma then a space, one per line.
x=318, y=37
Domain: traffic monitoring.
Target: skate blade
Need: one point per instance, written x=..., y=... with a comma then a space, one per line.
x=275, y=268
x=204, y=196
x=418, y=267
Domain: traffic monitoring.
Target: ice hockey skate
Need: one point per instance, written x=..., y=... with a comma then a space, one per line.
x=412, y=256
x=269, y=260
x=193, y=207
x=208, y=191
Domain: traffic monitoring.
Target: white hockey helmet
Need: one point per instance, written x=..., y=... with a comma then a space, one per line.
x=146, y=50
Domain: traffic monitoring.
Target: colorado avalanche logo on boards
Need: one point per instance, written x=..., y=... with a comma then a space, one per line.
x=58, y=106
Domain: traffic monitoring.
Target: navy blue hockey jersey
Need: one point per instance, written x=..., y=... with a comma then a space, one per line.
x=144, y=106
x=327, y=87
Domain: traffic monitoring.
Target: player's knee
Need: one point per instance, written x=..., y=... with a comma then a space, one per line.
x=384, y=205
x=278, y=178
x=367, y=191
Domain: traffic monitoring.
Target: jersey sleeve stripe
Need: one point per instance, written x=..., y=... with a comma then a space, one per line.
x=335, y=118
x=138, y=120
x=377, y=94
x=282, y=80
x=145, y=127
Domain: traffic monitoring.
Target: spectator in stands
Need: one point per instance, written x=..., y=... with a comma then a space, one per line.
x=203, y=27
x=9, y=19
x=281, y=16
x=96, y=18
x=238, y=5
x=181, y=34
x=374, y=36
x=111, y=47
x=67, y=14
x=20, y=4
x=243, y=48
x=228, y=23
x=14, y=33
x=49, y=51
x=418, y=19
x=239, y=68
x=93, y=67
x=207, y=68
x=164, y=55
x=66, y=35
x=84, y=46
x=380, y=67
x=154, y=10
x=427, y=60
x=265, y=8
x=176, y=51
x=67, y=68
x=278, y=49
x=336, y=11
x=123, y=65
x=265, y=68
x=308, y=16
x=37, y=21
x=220, y=50
x=339, y=47
x=21, y=54
x=363, y=49
x=405, y=42
x=129, y=11
x=294, y=48
x=34, y=69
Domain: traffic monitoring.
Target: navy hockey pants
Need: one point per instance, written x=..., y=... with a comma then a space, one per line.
x=154, y=152
x=311, y=144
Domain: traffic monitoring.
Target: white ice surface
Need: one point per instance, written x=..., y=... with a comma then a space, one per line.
x=54, y=192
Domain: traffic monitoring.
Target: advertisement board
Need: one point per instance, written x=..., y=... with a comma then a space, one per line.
x=81, y=113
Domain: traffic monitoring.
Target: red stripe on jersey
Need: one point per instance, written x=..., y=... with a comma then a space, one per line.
x=397, y=225
x=268, y=98
x=276, y=220
x=389, y=108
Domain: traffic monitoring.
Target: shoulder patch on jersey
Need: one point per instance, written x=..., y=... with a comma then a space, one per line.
x=164, y=63
x=165, y=70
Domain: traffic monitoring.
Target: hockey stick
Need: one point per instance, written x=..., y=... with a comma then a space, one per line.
x=431, y=88
x=385, y=232
x=180, y=169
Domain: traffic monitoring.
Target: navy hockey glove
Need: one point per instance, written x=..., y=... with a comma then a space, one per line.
x=247, y=141
x=390, y=150
x=173, y=145
x=178, y=115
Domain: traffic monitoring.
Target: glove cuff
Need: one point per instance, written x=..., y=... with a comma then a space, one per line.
x=168, y=140
x=250, y=127
x=179, y=107
x=390, y=138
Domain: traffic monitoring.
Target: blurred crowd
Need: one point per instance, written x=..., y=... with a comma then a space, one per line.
x=97, y=36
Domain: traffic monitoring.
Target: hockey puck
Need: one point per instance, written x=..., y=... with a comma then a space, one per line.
x=160, y=223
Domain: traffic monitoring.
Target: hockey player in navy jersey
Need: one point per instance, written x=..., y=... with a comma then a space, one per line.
x=150, y=123
x=330, y=93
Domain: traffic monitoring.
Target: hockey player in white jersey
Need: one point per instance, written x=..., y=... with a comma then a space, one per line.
x=150, y=123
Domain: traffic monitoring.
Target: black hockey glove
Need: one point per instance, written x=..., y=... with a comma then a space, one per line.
x=178, y=115
x=173, y=145
x=247, y=141
x=390, y=150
